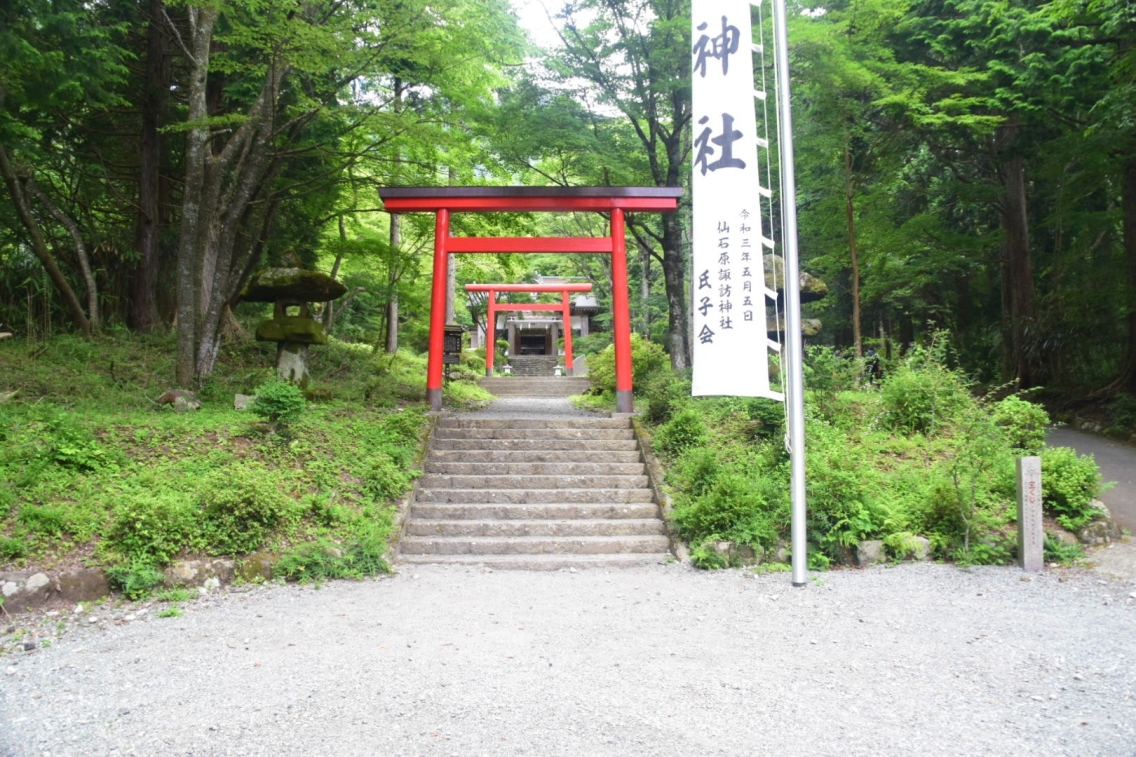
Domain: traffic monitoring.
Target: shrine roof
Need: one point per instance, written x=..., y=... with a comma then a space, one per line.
x=528, y=199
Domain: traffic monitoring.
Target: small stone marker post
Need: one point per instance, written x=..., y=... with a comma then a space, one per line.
x=1031, y=537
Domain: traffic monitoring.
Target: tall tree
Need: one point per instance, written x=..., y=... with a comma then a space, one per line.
x=58, y=60
x=635, y=57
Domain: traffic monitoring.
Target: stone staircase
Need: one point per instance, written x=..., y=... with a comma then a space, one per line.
x=534, y=365
x=548, y=386
x=534, y=494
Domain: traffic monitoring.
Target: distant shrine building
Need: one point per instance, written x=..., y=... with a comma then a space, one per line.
x=538, y=333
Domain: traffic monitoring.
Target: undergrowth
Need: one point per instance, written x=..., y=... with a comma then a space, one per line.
x=93, y=471
x=917, y=454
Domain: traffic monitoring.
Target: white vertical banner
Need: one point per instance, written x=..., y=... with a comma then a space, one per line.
x=731, y=344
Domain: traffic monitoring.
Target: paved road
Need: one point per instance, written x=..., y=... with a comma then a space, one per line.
x=1117, y=462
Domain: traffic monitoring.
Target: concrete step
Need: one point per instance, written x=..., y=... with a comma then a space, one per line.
x=534, y=365
x=534, y=433
x=542, y=562
x=535, y=469
x=587, y=445
x=533, y=545
x=534, y=496
x=533, y=393
x=553, y=511
x=563, y=386
x=439, y=481
x=534, y=423
x=509, y=457
x=517, y=528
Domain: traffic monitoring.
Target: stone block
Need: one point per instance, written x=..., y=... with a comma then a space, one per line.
x=197, y=572
x=748, y=555
x=1065, y=537
x=243, y=401
x=83, y=585
x=869, y=552
x=922, y=551
x=22, y=590
x=256, y=567
x=294, y=329
x=1097, y=532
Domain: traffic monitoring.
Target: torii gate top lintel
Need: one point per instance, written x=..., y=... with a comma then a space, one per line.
x=529, y=199
x=441, y=201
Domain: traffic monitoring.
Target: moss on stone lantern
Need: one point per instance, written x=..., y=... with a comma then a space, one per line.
x=291, y=289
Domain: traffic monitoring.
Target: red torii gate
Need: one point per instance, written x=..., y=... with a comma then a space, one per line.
x=492, y=308
x=442, y=201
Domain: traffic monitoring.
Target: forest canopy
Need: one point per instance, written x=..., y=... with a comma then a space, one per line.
x=967, y=165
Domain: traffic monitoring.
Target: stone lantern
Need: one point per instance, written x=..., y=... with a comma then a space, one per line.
x=292, y=327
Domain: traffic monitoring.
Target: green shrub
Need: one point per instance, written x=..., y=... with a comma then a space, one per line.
x=695, y=471
x=403, y=426
x=1124, y=411
x=474, y=360
x=685, y=430
x=278, y=402
x=1058, y=551
x=74, y=446
x=994, y=551
x=151, y=528
x=646, y=358
x=829, y=373
x=1024, y=424
x=322, y=560
x=735, y=507
x=768, y=417
x=13, y=548
x=703, y=556
x=921, y=395
x=385, y=479
x=1068, y=484
x=45, y=520
x=901, y=545
x=666, y=394
x=135, y=580
x=241, y=505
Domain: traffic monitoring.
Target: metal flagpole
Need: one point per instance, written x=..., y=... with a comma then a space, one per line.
x=794, y=353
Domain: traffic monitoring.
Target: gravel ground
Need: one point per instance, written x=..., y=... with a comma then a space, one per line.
x=913, y=659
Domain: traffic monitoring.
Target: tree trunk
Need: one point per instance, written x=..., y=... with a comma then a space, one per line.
x=1128, y=203
x=853, y=251
x=392, y=300
x=39, y=245
x=80, y=251
x=201, y=22
x=1019, y=287
x=144, y=308
x=674, y=277
x=645, y=290
x=224, y=174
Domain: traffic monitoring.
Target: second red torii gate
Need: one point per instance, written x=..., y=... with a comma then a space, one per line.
x=442, y=201
x=492, y=308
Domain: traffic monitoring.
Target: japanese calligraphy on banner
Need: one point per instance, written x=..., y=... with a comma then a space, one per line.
x=731, y=344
